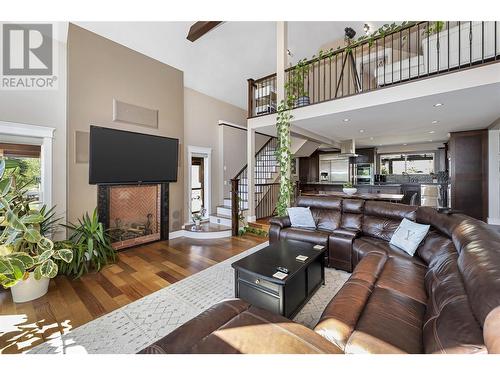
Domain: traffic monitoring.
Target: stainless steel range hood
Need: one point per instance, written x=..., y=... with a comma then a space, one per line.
x=348, y=148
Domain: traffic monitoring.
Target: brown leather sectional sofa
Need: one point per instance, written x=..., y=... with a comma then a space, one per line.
x=444, y=299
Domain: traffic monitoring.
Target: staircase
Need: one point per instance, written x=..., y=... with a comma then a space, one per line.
x=266, y=173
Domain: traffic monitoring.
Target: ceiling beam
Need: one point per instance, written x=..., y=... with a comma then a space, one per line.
x=200, y=28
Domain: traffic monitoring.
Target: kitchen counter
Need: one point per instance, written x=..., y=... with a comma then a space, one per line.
x=342, y=184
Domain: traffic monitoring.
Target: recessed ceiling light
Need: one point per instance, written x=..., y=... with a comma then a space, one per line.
x=361, y=130
x=432, y=132
x=371, y=138
x=405, y=144
x=347, y=120
x=435, y=122
x=430, y=140
x=438, y=104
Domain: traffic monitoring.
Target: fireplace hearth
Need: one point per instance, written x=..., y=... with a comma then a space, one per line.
x=134, y=214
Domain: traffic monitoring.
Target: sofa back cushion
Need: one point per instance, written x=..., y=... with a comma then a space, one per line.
x=381, y=219
x=352, y=214
x=449, y=324
x=326, y=210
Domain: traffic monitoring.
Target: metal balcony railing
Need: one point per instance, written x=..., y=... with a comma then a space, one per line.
x=418, y=50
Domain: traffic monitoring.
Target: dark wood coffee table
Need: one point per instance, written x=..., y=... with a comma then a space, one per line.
x=254, y=281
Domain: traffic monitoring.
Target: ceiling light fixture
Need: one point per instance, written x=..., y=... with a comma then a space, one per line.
x=405, y=144
x=432, y=132
x=361, y=130
x=438, y=104
x=435, y=121
x=371, y=138
x=347, y=120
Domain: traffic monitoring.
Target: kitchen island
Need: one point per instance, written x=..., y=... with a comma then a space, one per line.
x=366, y=196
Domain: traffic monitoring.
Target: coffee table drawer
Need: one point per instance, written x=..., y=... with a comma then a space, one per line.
x=259, y=297
x=257, y=281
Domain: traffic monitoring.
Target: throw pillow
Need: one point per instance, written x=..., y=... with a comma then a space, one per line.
x=301, y=217
x=409, y=235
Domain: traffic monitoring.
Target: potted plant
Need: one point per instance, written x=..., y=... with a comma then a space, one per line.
x=349, y=189
x=198, y=217
x=297, y=94
x=27, y=256
x=90, y=245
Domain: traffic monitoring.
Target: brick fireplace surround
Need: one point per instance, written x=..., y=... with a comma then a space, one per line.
x=134, y=214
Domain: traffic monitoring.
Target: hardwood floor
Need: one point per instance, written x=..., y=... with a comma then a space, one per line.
x=139, y=271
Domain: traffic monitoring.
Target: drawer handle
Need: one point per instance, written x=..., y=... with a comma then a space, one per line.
x=257, y=281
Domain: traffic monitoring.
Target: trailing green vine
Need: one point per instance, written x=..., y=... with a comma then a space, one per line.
x=294, y=89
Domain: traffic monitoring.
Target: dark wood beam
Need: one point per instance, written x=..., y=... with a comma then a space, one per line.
x=200, y=28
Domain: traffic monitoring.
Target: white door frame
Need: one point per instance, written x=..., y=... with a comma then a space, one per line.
x=206, y=154
x=46, y=135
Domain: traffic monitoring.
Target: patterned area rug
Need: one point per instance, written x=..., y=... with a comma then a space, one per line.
x=138, y=324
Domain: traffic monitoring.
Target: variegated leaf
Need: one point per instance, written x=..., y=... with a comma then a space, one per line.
x=46, y=255
x=45, y=244
x=14, y=221
x=64, y=254
x=32, y=219
x=48, y=269
x=32, y=235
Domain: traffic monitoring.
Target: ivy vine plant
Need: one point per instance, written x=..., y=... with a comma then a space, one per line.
x=23, y=247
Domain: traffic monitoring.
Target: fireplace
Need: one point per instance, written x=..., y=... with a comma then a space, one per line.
x=134, y=214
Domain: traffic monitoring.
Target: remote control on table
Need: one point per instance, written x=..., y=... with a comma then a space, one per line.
x=282, y=269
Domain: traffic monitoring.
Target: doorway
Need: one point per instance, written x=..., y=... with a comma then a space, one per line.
x=197, y=184
x=198, y=188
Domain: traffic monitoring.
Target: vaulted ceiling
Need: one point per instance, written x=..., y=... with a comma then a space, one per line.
x=220, y=62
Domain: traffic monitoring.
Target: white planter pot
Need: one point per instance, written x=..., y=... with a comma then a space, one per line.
x=29, y=289
x=350, y=191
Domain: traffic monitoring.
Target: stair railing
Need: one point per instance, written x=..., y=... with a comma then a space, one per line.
x=239, y=184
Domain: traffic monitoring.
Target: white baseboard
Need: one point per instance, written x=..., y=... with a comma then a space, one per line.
x=176, y=234
x=200, y=235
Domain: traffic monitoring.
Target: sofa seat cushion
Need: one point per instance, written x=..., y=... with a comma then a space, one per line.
x=366, y=244
x=376, y=311
x=306, y=235
x=404, y=277
x=391, y=318
x=234, y=326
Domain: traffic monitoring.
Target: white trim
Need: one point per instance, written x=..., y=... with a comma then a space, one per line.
x=493, y=221
x=206, y=153
x=46, y=134
x=222, y=122
x=200, y=235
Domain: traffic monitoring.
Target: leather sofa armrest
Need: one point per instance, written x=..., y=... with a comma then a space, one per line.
x=340, y=248
x=347, y=232
x=277, y=223
x=281, y=221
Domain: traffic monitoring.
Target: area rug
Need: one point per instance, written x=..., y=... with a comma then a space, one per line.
x=139, y=324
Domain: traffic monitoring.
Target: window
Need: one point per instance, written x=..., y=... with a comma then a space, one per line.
x=407, y=163
x=28, y=175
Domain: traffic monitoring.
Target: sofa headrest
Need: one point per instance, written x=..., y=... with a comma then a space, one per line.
x=353, y=206
x=395, y=211
x=444, y=223
x=326, y=202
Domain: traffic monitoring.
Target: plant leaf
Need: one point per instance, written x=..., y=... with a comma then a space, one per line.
x=64, y=254
x=5, y=186
x=48, y=269
x=32, y=219
x=32, y=235
x=2, y=167
x=45, y=244
x=38, y=272
x=14, y=221
x=46, y=255
x=25, y=259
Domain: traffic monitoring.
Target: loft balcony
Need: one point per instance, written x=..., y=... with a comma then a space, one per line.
x=417, y=51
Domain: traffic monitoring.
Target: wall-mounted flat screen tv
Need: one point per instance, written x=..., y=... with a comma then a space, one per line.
x=123, y=157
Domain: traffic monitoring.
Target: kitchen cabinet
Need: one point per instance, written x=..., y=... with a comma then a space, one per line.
x=365, y=156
